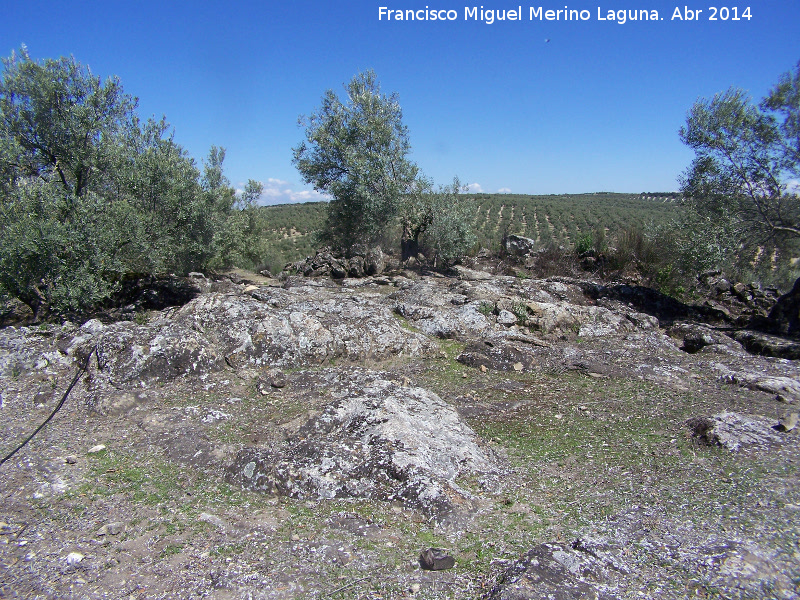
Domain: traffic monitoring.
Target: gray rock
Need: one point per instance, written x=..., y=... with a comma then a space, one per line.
x=374, y=263
x=497, y=355
x=436, y=559
x=784, y=317
x=517, y=245
x=551, y=572
x=381, y=440
x=695, y=337
x=765, y=344
x=733, y=430
x=471, y=274
x=273, y=327
x=506, y=318
x=786, y=388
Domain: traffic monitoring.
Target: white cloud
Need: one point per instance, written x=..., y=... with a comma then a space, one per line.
x=474, y=188
x=278, y=191
x=504, y=191
x=793, y=186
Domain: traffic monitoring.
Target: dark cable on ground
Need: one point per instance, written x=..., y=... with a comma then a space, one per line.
x=81, y=370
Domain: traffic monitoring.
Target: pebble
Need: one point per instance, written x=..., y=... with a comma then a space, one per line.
x=96, y=449
x=73, y=558
x=111, y=528
x=71, y=459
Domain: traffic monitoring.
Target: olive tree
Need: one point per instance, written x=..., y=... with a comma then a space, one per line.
x=439, y=219
x=357, y=152
x=746, y=169
x=89, y=193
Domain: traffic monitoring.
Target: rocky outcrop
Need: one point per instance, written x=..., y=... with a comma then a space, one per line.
x=553, y=571
x=733, y=431
x=359, y=262
x=784, y=318
x=605, y=563
x=766, y=344
x=268, y=327
x=380, y=440
x=695, y=337
x=786, y=389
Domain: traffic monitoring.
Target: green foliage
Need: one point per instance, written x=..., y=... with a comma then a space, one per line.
x=55, y=252
x=486, y=308
x=745, y=157
x=584, y=244
x=357, y=152
x=57, y=118
x=449, y=232
x=89, y=193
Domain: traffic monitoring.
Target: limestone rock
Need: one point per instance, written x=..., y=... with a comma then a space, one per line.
x=380, y=440
x=273, y=327
x=471, y=274
x=765, y=344
x=497, y=355
x=733, y=430
x=551, y=571
x=517, y=245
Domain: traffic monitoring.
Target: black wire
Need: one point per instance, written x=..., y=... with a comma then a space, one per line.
x=81, y=369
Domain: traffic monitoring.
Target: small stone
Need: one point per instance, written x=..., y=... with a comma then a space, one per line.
x=518, y=366
x=788, y=424
x=506, y=318
x=71, y=459
x=73, y=558
x=436, y=559
x=483, y=369
x=414, y=589
x=111, y=528
x=295, y=537
x=96, y=449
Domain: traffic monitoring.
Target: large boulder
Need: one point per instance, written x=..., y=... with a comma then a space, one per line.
x=374, y=261
x=517, y=245
x=381, y=440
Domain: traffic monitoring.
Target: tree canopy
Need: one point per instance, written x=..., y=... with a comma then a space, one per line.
x=746, y=169
x=90, y=194
x=357, y=151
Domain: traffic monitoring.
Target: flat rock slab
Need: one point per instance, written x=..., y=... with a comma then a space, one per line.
x=380, y=440
x=551, y=572
x=733, y=430
x=269, y=327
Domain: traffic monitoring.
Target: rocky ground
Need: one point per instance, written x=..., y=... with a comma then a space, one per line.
x=311, y=437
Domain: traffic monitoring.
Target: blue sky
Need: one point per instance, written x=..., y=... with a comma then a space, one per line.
x=597, y=108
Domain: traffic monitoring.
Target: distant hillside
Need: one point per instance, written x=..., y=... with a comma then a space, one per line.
x=553, y=218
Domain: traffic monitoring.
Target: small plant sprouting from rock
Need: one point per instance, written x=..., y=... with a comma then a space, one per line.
x=520, y=310
x=486, y=308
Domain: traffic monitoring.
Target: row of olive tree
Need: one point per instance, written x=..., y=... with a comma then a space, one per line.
x=89, y=193
x=357, y=152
